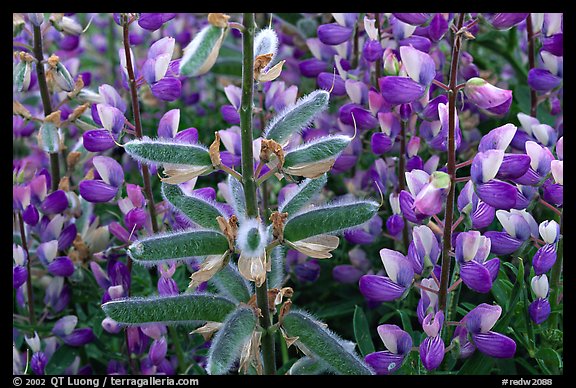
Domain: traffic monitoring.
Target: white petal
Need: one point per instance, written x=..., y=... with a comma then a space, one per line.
x=392, y=261
x=540, y=286
x=504, y=218
x=557, y=167
x=491, y=164
x=549, y=231
x=534, y=150
x=161, y=66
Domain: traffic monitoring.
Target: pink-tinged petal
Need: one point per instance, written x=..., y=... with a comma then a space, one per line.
x=432, y=323
x=109, y=170
x=498, y=194
x=432, y=352
x=495, y=344
x=168, y=125
x=400, y=90
x=416, y=180
x=407, y=208
x=429, y=200
x=384, y=362
x=135, y=195
x=487, y=96
x=97, y=191
x=482, y=318
x=502, y=243
x=476, y=276
x=539, y=310
x=395, y=339
x=380, y=289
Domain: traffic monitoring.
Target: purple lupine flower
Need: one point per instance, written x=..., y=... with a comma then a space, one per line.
x=112, y=176
x=31, y=215
x=346, y=273
x=491, y=99
x=554, y=44
x=328, y=81
x=424, y=250
x=98, y=140
x=153, y=21
x=54, y=203
x=334, y=34
x=307, y=271
x=472, y=250
x=65, y=325
x=428, y=302
x=392, y=287
x=430, y=111
x=478, y=322
x=312, y=67
x=504, y=21
x=400, y=90
x=419, y=65
x=137, y=341
x=542, y=80
x=437, y=28
x=167, y=89
x=372, y=50
x=365, y=234
x=480, y=212
x=38, y=363
x=398, y=344
x=540, y=309
x=432, y=348
x=158, y=350
x=414, y=19
x=436, y=132
x=428, y=191
x=61, y=266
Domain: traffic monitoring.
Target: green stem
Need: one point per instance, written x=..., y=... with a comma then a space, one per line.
x=447, y=238
x=179, y=354
x=556, y=275
x=248, y=177
x=530, y=33
x=47, y=105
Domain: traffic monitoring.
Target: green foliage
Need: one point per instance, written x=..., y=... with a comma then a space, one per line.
x=231, y=284
x=308, y=366
x=317, y=150
x=172, y=310
x=305, y=192
x=202, y=51
x=227, y=344
x=168, y=151
x=362, y=332
x=197, y=209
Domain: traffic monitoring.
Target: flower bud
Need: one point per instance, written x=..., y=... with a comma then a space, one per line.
x=399, y=90
x=540, y=286
x=550, y=231
x=334, y=34
x=167, y=89
x=505, y=21
x=153, y=21
x=491, y=99
x=347, y=274
x=539, y=310
x=543, y=80
x=158, y=350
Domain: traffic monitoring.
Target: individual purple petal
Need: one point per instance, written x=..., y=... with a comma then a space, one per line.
x=542, y=80
x=437, y=28
x=502, y=243
x=153, y=21
x=554, y=44
x=54, y=203
x=432, y=323
x=483, y=215
x=358, y=236
x=158, y=350
x=384, y=362
x=400, y=90
x=347, y=274
x=65, y=325
x=333, y=34
x=380, y=288
x=31, y=215
x=372, y=50
x=168, y=124
x=100, y=276
x=395, y=224
x=395, y=339
x=111, y=118
x=61, y=266
x=414, y=19
x=521, y=201
x=111, y=97
x=414, y=163
x=407, y=207
x=495, y=344
x=135, y=219
x=167, y=286
x=476, y=276
x=109, y=170
x=97, y=191
x=230, y=114
x=498, y=139
x=312, y=67
x=513, y=166
x=189, y=135
x=419, y=65
x=467, y=347
x=544, y=259
x=119, y=232
x=482, y=318
x=38, y=363
x=308, y=271
x=553, y=193
x=504, y=21
x=380, y=143
x=19, y=275
x=98, y=140
x=498, y=194
x=66, y=237
x=539, y=310
x=329, y=81
x=493, y=266
x=421, y=43
x=79, y=337
x=430, y=112
x=167, y=89
x=432, y=352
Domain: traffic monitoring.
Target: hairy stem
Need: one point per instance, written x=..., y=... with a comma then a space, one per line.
x=30, y=295
x=530, y=33
x=248, y=177
x=449, y=215
x=47, y=105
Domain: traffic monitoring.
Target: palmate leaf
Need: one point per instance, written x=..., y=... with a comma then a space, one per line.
x=329, y=218
x=165, y=247
x=227, y=344
x=324, y=344
x=295, y=117
x=197, y=209
x=173, y=309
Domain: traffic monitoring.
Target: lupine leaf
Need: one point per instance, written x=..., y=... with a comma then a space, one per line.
x=308, y=366
x=477, y=364
x=362, y=332
x=202, y=52
x=196, y=208
x=315, y=151
x=329, y=219
x=231, y=284
x=50, y=139
x=305, y=192
x=19, y=74
x=324, y=344
x=513, y=298
x=170, y=246
x=168, y=151
x=60, y=360
x=276, y=275
x=295, y=117
x=238, y=199
x=173, y=309
x=228, y=342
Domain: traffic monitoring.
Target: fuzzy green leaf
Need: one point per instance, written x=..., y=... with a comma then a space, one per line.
x=318, y=150
x=308, y=366
x=49, y=138
x=362, y=332
x=231, y=284
x=21, y=75
x=302, y=195
x=165, y=247
x=173, y=309
x=202, y=52
x=168, y=151
x=324, y=344
x=227, y=344
x=276, y=275
x=238, y=199
x=197, y=209
x=295, y=117
x=329, y=219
